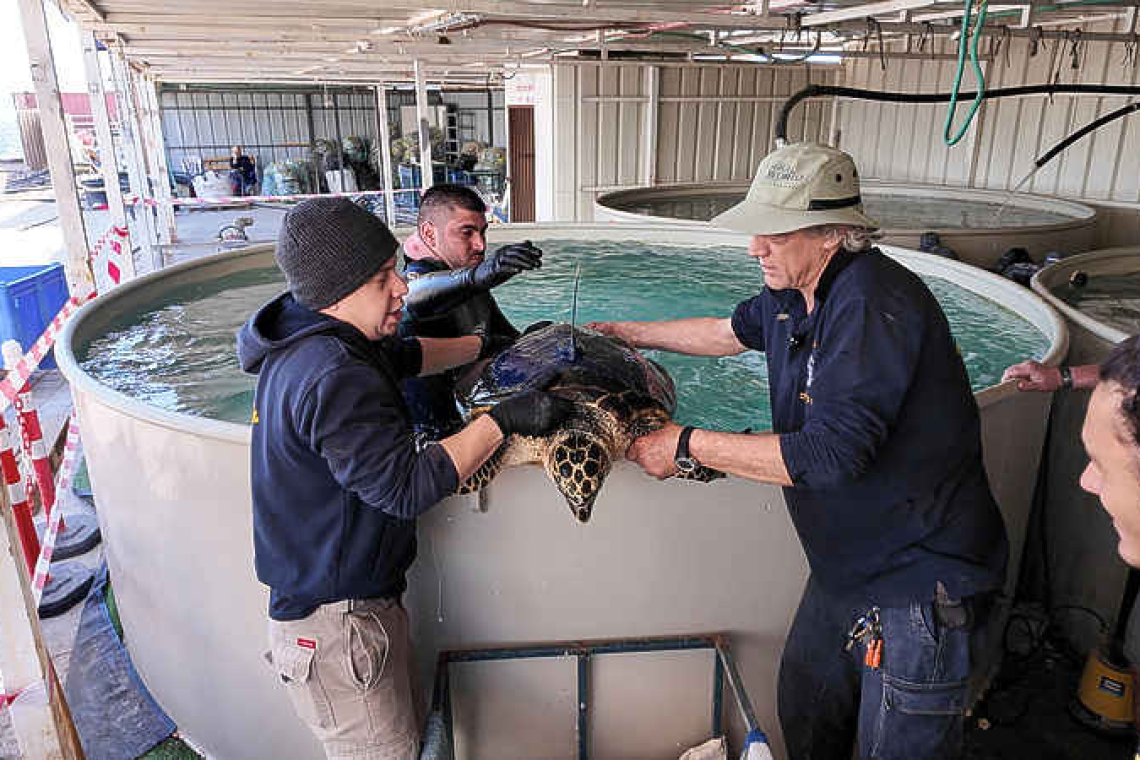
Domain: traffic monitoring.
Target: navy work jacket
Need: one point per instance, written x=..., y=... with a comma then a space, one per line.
x=880, y=433
x=337, y=480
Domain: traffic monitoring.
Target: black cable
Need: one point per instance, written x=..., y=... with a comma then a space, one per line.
x=941, y=97
x=1090, y=127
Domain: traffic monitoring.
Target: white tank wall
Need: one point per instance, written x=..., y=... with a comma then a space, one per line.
x=903, y=142
x=1084, y=566
x=981, y=247
x=657, y=558
x=621, y=125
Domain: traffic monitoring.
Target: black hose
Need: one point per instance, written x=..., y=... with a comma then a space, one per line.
x=941, y=97
x=1091, y=126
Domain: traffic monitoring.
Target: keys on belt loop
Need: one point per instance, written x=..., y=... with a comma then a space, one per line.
x=869, y=629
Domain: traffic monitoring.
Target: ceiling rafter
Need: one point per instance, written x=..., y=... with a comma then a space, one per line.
x=250, y=40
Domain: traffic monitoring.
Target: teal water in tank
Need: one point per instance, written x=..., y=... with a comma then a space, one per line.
x=178, y=353
x=1113, y=299
x=896, y=212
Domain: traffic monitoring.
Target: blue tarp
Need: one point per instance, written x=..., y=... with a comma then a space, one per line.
x=115, y=715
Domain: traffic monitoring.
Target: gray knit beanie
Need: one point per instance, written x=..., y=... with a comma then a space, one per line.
x=329, y=247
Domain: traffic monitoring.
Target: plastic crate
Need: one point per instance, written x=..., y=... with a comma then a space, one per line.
x=30, y=297
x=460, y=177
x=410, y=175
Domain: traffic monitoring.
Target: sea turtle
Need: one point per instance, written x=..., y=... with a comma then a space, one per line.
x=619, y=395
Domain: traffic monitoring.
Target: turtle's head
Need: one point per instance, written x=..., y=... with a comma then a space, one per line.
x=578, y=463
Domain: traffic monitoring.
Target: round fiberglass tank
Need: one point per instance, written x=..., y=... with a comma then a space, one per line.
x=1098, y=295
x=978, y=225
x=657, y=558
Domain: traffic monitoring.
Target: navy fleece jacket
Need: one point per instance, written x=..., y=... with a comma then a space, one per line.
x=880, y=433
x=337, y=482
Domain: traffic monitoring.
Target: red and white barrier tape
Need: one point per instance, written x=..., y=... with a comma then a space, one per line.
x=33, y=447
x=112, y=240
x=18, y=498
x=271, y=198
x=18, y=375
x=231, y=199
x=62, y=478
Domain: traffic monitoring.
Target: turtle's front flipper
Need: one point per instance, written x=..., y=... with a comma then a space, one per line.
x=702, y=474
x=655, y=420
x=486, y=472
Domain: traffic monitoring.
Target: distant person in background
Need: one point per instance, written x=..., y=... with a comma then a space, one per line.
x=243, y=175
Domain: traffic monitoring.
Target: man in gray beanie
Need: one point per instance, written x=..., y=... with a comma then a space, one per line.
x=337, y=482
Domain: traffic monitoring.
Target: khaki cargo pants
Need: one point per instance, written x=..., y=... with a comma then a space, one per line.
x=347, y=669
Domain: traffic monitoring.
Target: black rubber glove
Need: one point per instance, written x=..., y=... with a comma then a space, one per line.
x=537, y=326
x=530, y=413
x=505, y=263
x=438, y=292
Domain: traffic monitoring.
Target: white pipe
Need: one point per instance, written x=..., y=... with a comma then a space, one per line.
x=385, y=137
x=426, y=174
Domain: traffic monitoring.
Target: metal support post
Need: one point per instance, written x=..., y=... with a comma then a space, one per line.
x=132, y=141
x=108, y=155
x=652, y=111
x=148, y=98
x=58, y=145
x=426, y=174
x=383, y=134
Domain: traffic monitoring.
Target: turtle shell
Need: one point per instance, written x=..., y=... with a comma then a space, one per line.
x=590, y=363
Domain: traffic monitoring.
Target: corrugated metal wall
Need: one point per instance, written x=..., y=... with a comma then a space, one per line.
x=270, y=124
x=904, y=142
x=623, y=125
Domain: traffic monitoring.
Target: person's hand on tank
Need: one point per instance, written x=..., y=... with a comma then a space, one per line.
x=530, y=413
x=1033, y=376
x=505, y=263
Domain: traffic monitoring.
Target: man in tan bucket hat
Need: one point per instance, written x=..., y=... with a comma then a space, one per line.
x=876, y=440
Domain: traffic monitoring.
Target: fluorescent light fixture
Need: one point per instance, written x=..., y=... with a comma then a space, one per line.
x=386, y=30
x=420, y=18
x=826, y=59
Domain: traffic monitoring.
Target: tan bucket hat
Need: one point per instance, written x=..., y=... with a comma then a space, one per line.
x=798, y=186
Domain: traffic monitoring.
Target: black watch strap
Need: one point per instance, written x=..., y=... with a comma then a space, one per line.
x=1066, y=377
x=682, y=458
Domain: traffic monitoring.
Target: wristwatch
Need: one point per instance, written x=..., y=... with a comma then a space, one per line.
x=1066, y=377
x=684, y=461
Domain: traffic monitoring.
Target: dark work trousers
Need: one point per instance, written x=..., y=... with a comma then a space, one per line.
x=909, y=707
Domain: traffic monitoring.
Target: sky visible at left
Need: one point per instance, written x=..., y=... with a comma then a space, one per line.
x=14, y=73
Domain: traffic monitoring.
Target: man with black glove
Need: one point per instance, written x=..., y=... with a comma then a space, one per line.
x=450, y=276
x=338, y=483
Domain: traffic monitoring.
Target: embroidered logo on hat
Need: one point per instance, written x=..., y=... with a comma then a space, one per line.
x=798, y=186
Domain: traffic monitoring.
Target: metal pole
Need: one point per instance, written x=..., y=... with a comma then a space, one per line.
x=652, y=111
x=426, y=174
x=149, y=98
x=57, y=144
x=128, y=125
x=108, y=156
x=384, y=135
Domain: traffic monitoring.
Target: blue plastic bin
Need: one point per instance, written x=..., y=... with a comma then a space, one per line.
x=410, y=175
x=29, y=298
